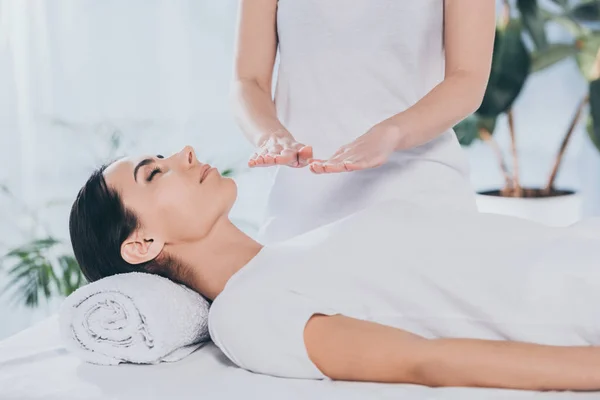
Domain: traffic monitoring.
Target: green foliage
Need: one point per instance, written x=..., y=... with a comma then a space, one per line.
x=586, y=11
x=511, y=64
x=552, y=55
x=34, y=274
x=593, y=126
x=586, y=57
x=468, y=129
x=534, y=23
x=589, y=64
x=227, y=172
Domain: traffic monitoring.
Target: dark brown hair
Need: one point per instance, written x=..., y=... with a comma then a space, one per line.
x=98, y=225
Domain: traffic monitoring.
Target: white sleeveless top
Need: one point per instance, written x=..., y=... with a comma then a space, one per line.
x=344, y=67
x=519, y=281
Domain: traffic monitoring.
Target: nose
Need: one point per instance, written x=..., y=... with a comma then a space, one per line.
x=188, y=156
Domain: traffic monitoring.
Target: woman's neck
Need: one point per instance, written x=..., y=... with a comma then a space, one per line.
x=216, y=258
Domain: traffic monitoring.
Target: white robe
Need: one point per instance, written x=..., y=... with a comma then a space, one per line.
x=344, y=67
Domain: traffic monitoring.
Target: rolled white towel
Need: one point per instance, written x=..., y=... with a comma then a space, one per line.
x=135, y=318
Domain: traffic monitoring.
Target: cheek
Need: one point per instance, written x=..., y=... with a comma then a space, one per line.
x=188, y=212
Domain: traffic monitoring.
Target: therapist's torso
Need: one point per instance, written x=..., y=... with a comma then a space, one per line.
x=344, y=67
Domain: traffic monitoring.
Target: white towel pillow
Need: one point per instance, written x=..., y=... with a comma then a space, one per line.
x=134, y=317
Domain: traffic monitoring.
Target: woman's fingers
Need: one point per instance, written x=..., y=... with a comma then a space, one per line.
x=288, y=153
x=295, y=155
x=265, y=156
x=252, y=160
x=305, y=154
x=336, y=167
x=345, y=161
x=271, y=156
x=260, y=157
x=287, y=157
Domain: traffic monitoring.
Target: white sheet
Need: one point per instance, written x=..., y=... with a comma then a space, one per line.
x=35, y=365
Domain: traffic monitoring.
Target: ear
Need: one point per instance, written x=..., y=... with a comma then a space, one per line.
x=140, y=248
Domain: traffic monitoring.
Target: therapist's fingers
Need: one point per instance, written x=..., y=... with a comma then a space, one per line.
x=287, y=157
x=271, y=156
x=320, y=167
x=328, y=168
x=343, y=151
x=295, y=155
x=337, y=167
x=304, y=154
x=287, y=152
x=341, y=163
x=253, y=161
x=266, y=156
x=261, y=153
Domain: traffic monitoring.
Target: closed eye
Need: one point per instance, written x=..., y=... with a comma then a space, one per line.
x=154, y=171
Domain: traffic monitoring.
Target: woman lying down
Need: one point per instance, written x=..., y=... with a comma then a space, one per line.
x=392, y=293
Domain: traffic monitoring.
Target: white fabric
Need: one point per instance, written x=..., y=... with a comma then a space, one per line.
x=35, y=366
x=344, y=67
x=464, y=275
x=135, y=317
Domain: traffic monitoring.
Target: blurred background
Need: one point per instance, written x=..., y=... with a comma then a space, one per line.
x=85, y=81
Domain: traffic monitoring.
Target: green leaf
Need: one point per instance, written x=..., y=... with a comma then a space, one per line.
x=228, y=172
x=31, y=249
x=72, y=277
x=534, y=23
x=554, y=54
x=587, y=11
x=594, y=121
x=58, y=284
x=31, y=277
x=467, y=131
x=32, y=274
x=44, y=279
x=564, y=20
x=45, y=243
x=586, y=57
x=489, y=124
x=510, y=67
x=25, y=288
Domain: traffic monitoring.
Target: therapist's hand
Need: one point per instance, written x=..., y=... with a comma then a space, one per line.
x=281, y=148
x=370, y=150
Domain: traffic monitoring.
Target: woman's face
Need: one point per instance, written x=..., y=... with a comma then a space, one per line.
x=176, y=199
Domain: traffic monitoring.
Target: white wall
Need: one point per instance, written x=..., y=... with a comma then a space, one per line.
x=73, y=70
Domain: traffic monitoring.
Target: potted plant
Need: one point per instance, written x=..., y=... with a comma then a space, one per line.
x=513, y=62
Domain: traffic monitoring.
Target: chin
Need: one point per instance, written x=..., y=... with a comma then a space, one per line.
x=231, y=191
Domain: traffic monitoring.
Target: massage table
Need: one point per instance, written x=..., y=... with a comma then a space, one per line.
x=35, y=365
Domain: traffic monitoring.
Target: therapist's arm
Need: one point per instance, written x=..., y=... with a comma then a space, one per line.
x=255, y=51
x=251, y=94
x=349, y=349
x=468, y=40
x=469, y=29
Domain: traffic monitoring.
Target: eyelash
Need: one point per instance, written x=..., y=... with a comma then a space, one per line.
x=155, y=171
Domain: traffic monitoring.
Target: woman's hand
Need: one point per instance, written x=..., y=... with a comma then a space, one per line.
x=281, y=149
x=371, y=150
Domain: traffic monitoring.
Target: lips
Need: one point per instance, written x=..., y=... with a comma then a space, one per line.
x=205, y=171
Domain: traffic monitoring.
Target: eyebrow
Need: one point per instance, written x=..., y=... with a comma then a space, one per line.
x=142, y=163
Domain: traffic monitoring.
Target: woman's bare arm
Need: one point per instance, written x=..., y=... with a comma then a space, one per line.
x=469, y=38
x=253, y=106
x=344, y=348
x=255, y=52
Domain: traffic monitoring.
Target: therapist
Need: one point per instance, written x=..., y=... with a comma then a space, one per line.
x=367, y=93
